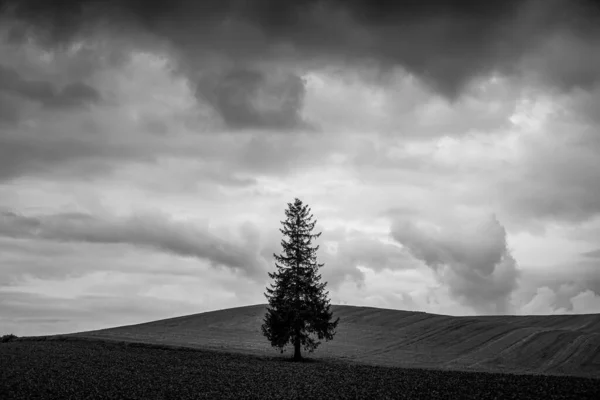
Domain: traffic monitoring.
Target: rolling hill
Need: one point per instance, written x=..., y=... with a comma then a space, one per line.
x=561, y=344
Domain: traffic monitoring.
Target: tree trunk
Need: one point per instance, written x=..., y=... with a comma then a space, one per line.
x=297, y=355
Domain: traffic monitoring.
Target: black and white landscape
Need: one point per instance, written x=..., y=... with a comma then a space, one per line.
x=450, y=151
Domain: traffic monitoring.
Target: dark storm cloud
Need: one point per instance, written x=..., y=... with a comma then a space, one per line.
x=445, y=43
x=71, y=95
x=9, y=111
x=150, y=231
x=33, y=148
x=592, y=254
x=247, y=98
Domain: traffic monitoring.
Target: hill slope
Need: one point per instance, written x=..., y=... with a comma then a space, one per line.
x=563, y=344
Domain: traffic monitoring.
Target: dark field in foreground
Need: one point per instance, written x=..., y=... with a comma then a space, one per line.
x=89, y=369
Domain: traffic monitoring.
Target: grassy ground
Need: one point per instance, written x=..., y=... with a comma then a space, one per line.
x=90, y=369
x=564, y=344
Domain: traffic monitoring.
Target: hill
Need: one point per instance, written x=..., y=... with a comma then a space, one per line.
x=561, y=344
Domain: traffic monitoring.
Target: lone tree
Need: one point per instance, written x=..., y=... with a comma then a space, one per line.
x=298, y=303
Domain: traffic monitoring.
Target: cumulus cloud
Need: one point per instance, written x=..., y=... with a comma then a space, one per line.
x=347, y=255
x=145, y=230
x=547, y=301
x=566, y=279
x=586, y=302
x=544, y=302
x=470, y=257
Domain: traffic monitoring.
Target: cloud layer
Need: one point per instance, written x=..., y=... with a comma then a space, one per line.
x=404, y=125
x=435, y=40
x=147, y=230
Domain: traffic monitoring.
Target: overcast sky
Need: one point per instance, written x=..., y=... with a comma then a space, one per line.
x=148, y=150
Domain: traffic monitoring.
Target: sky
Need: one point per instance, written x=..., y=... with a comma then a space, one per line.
x=449, y=150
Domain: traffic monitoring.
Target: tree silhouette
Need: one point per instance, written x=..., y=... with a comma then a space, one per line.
x=299, y=308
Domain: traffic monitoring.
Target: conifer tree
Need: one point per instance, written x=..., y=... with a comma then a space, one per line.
x=299, y=308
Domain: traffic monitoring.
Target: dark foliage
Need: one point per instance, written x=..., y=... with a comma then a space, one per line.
x=8, y=338
x=79, y=369
x=299, y=307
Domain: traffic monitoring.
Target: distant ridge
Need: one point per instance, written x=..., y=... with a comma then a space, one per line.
x=554, y=344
